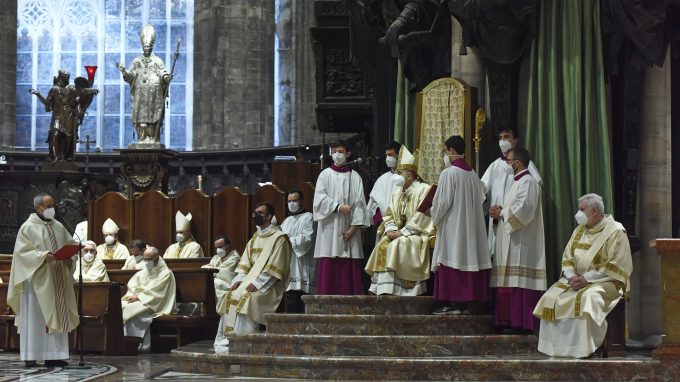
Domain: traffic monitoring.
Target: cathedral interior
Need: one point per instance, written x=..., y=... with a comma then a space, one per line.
x=250, y=96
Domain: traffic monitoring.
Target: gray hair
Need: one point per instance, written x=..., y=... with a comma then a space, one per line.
x=90, y=242
x=38, y=199
x=593, y=201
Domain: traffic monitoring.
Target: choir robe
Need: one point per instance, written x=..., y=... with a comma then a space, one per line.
x=497, y=183
x=573, y=323
x=156, y=292
x=92, y=271
x=300, y=231
x=339, y=261
x=131, y=263
x=184, y=250
x=460, y=258
x=265, y=264
x=117, y=251
x=519, y=264
x=381, y=195
x=41, y=293
x=401, y=266
x=226, y=267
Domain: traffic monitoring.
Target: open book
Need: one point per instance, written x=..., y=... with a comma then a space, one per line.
x=66, y=251
x=427, y=202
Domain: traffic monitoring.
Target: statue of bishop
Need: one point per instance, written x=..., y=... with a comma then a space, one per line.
x=149, y=84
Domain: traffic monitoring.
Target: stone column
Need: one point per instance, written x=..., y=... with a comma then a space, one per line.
x=8, y=73
x=297, y=118
x=654, y=201
x=233, y=74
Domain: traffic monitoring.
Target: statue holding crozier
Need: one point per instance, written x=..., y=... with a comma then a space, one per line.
x=149, y=83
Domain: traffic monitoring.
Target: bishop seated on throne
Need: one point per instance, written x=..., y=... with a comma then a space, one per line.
x=399, y=264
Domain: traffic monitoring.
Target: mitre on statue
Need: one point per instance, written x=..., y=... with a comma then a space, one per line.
x=182, y=222
x=406, y=160
x=110, y=227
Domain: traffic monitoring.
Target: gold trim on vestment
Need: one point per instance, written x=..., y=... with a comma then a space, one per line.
x=381, y=261
x=614, y=268
x=548, y=314
x=515, y=223
x=577, y=302
x=583, y=246
x=577, y=237
x=568, y=263
x=273, y=268
x=518, y=271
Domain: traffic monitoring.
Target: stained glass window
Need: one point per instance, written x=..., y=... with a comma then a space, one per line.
x=69, y=34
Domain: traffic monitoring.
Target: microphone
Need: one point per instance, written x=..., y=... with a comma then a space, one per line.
x=350, y=163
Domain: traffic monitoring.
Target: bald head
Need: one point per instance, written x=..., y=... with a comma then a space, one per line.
x=150, y=253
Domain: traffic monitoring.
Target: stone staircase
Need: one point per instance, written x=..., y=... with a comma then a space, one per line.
x=396, y=338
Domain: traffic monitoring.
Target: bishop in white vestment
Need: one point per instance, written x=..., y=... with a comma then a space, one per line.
x=112, y=248
x=260, y=278
x=185, y=247
x=400, y=263
x=93, y=267
x=299, y=227
x=518, y=273
x=596, y=269
x=40, y=290
x=498, y=179
x=340, y=212
x=460, y=260
x=150, y=294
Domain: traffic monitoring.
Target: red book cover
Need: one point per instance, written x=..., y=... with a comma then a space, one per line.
x=427, y=202
x=66, y=251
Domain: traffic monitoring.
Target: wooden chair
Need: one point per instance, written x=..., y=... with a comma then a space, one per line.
x=231, y=216
x=154, y=220
x=9, y=339
x=115, y=206
x=200, y=207
x=102, y=319
x=273, y=195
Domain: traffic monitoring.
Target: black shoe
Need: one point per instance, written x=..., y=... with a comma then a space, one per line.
x=56, y=363
x=447, y=309
x=30, y=364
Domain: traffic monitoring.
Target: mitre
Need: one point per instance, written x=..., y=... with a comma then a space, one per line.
x=182, y=222
x=110, y=226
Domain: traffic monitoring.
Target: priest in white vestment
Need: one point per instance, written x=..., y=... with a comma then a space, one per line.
x=150, y=294
x=112, y=248
x=381, y=194
x=340, y=211
x=225, y=261
x=519, y=274
x=136, y=259
x=460, y=260
x=40, y=290
x=260, y=278
x=596, y=269
x=400, y=263
x=299, y=227
x=498, y=179
x=93, y=267
x=185, y=247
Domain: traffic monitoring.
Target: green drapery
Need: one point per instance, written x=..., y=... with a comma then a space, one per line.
x=567, y=130
x=404, y=112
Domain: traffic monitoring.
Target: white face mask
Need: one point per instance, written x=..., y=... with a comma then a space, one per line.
x=49, y=213
x=221, y=252
x=139, y=258
x=338, y=158
x=88, y=257
x=391, y=162
x=179, y=237
x=447, y=161
x=293, y=206
x=110, y=239
x=581, y=217
x=149, y=265
x=504, y=145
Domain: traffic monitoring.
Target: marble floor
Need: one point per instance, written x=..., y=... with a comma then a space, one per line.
x=147, y=367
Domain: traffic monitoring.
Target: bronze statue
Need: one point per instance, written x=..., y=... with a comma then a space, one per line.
x=68, y=104
x=149, y=83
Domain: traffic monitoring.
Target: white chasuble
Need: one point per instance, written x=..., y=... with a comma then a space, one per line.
x=184, y=250
x=300, y=231
x=117, y=251
x=226, y=267
x=92, y=271
x=155, y=291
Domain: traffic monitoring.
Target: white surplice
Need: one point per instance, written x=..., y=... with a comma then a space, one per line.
x=497, y=183
x=300, y=231
x=520, y=247
x=332, y=190
x=381, y=193
x=457, y=214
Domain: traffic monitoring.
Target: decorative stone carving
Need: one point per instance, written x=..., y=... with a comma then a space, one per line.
x=146, y=169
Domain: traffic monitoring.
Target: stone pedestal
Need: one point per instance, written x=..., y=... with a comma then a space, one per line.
x=146, y=169
x=59, y=167
x=669, y=251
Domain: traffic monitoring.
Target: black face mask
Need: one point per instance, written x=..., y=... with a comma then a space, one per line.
x=259, y=219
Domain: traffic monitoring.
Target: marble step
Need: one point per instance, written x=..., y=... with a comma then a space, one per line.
x=385, y=346
x=379, y=325
x=203, y=358
x=322, y=304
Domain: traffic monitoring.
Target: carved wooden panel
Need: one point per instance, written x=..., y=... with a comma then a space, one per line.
x=231, y=216
x=199, y=205
x=273, y=195
x=287, y=175
x=118, y=208
x=154, y=219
